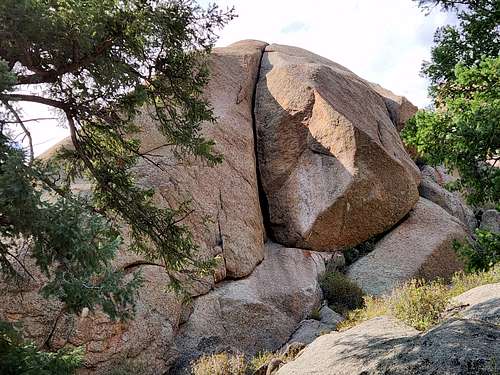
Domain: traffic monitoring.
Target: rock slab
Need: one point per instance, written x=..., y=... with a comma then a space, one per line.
x=420, y=246
x=467, y=344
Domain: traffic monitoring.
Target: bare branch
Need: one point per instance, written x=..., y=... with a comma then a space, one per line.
x=34, y=99
x=25, y=129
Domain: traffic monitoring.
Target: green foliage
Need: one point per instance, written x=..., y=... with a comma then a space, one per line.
x=72, y=246
x=341, y=293
x=464, y=133
x=100, y=63
x=18, y=357
x=482, y=254
x=315, y=314
x=475, y=37
x=420, y=304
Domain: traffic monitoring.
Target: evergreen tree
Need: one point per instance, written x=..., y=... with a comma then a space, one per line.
x=99, y=62
x=462, y=131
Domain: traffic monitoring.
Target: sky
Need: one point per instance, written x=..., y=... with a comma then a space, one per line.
x=383, y=41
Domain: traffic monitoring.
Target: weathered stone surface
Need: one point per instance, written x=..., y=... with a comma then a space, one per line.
x=355, y=351
x=452, y=202
x=226, y=195
x=420, y=246
x=147, y=340
x=332, y=164
x=256, y=313
x=383, y=346
x=490, y=220
x=399, y=107
x=310, y=329
x=481, y=303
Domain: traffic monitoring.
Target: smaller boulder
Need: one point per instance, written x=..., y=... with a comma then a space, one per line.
x=491, y=221
x=452, y=202
x=420, y=246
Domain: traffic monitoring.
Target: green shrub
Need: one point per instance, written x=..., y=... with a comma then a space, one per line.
x=220, y=364
x=19, y=357
x=315, y=314
x=482, y=254
x=419, y=304
x=341, y=293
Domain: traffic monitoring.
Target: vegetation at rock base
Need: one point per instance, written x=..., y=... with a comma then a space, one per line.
x=236, y=364
x=20, y=357
x=418, y=303
x=482, y=254
x=341, y=293
x=220, y=364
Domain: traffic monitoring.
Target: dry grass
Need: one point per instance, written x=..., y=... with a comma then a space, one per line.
x=418, y=303
x=220, y=364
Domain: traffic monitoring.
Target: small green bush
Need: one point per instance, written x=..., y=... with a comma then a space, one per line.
x=19, y=357
x=419, y=304
x=482, y=254
x=220, y=364
x=341, y=293
x=315, y=314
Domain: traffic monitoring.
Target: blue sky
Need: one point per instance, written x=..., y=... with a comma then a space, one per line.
x=384, y=41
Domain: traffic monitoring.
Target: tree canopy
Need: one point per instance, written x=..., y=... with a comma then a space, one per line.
x=99, y=63
x=462, y=131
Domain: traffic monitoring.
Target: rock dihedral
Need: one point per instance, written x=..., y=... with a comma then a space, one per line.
x=226, y=194
x=332, y=164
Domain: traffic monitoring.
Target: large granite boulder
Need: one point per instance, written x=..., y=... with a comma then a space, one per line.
x=420, y=246
x=257, y=313
x=466, y=344
x=332, y=164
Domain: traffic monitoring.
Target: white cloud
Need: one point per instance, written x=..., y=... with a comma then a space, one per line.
x=384, y=41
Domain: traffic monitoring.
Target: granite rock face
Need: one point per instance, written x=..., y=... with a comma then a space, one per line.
x=420, y=246
x=332, y=164
x=226, y=220
x=257, y=313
